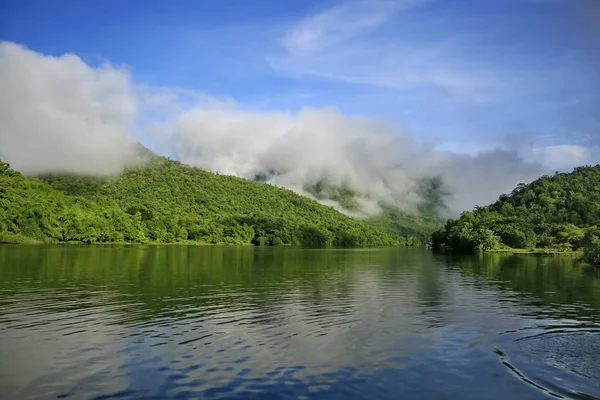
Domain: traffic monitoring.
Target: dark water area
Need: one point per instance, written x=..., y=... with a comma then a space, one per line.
x=216, y=322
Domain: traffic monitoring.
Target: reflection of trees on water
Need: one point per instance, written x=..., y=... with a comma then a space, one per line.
x=545, y=281
x=430, y=295
x=170, y=281
x=162, y=280
x=321, y=309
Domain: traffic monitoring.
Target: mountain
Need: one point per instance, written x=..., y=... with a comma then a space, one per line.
x=556, y=212
x=167, y=201
x=395, y=221
x=423, y=221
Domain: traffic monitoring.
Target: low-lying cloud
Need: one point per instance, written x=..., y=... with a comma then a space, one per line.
x=301, y=149
x=61, y=114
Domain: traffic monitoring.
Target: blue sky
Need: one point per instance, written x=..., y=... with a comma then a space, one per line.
x=467, y=74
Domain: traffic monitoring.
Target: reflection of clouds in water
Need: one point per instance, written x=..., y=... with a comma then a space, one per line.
x=57, y=342
x=334, y=322
x=322, y=333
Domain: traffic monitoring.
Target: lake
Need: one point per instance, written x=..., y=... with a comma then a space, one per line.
x=224, y=322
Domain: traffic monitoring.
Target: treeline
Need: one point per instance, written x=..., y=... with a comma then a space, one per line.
x=560, y=212
x=167, y=202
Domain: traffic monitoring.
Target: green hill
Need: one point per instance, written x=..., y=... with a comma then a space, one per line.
x=555, y=212
x=396, y=221
x=421, y=223
x=167, y=201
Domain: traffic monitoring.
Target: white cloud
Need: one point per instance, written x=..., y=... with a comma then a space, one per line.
x=367, y=155
x=564, y=156
x=335, y=25
x=60, y=114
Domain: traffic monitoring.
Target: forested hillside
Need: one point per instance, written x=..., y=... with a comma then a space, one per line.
x=167, y=201
x=31, y=210
x=557, y=212
x=420, y=223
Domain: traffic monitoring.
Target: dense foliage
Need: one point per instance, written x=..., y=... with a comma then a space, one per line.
x=166, y=201
x=591, y=250
x=31, y=210
x=558, y=212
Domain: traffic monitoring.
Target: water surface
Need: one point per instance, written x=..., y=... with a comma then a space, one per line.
x=212, y=322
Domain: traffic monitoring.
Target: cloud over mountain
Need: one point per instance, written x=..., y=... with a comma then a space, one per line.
x=298, y=150
x=62, y=114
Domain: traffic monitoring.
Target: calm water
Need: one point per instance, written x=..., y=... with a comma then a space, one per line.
x=209, y=322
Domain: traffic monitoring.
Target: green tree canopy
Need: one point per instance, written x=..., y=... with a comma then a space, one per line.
x=166, y=201
x=560, y=211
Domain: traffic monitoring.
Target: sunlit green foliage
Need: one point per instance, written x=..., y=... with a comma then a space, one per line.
x=166, y=201
x=558, y=212
x=30, y=208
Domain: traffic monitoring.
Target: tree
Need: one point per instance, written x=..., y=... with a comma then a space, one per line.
x=552, y=211
x=486, y=240
x=591, y=251
x=4, y=167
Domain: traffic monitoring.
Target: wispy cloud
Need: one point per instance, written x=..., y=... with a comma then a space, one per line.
x=459, y=52
x=563, y=156
x=351, y=42
x=338, y=24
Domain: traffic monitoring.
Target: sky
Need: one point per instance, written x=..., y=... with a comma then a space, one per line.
x=194, y=78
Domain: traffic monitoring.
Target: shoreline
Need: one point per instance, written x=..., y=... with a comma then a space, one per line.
x=24, y=240
x=538, y=252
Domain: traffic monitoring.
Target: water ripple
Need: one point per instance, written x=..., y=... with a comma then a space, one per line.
x=255, y=323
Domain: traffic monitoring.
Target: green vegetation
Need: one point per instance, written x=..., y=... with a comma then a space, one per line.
x=416, y=226
x=165, y=201
x=33, y=211
x=343, y=195
x=591, y=252
x=559, y=212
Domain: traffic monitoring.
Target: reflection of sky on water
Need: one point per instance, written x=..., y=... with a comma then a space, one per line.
x=48, y=344
x=388, y=324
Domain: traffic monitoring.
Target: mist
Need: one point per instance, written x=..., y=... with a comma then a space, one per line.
x=374, y=158
x=58, y=114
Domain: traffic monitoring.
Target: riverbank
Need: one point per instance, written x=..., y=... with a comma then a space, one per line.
x=11, y=238
x=20, y=239
x=538, y=251
x=16, y=239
